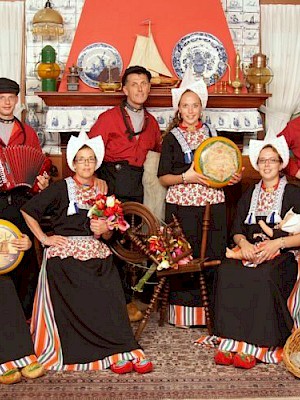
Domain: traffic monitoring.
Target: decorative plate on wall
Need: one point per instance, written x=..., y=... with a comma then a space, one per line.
x=204, y=51
x=218, y=158
x=94, y=58
x=9, y=256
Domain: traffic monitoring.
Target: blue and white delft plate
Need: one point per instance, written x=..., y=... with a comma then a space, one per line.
x=204, y=51
x=94, y=58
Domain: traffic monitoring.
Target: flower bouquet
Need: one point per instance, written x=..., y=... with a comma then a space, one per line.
x=168, y=249
x=110, y=209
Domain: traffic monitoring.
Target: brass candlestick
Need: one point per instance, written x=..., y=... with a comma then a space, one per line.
x=216, y=77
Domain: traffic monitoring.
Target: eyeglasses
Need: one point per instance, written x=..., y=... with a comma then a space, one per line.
x=81, y=160
x=268, y=160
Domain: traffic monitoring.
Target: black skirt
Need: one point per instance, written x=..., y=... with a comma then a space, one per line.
x=185, y=289
x=15, y=339
x=251, y=303
x=25, y=276
x=89, y=309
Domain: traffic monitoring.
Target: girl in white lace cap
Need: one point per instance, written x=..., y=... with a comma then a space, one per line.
x=187, y=194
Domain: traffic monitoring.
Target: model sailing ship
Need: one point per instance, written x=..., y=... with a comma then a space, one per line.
x=146, y=54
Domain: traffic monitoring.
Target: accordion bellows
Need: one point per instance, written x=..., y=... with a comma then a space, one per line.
x=20, y=165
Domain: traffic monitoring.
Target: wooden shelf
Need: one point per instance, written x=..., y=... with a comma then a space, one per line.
x=158, y=97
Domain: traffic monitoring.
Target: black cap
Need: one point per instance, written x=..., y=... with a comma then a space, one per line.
x=9, y=86
x=135, y=69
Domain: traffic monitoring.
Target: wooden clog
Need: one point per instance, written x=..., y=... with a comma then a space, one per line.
x=11, y=376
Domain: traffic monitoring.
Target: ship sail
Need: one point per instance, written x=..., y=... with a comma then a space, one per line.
x=146, y=54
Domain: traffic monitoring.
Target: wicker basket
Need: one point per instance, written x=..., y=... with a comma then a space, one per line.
x=292, y=345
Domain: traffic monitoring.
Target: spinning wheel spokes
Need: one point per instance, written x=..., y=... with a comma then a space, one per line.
x=143, y=224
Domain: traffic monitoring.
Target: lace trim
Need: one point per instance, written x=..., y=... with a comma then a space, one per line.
x=77, y=197
x=188, y=154
x=273, y=215
x=186, y=147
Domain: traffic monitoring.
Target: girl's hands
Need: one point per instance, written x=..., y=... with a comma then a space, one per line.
x=236, y=178
x=268, y=249
x=191, y=176
x=249, y=251
x=99, y=226
x=22, y=244
x=55, y=240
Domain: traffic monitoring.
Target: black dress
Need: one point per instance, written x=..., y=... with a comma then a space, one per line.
x=185, y=300
x=251, y=303
x=16, y=347
x=84, y=316
x=25, y=276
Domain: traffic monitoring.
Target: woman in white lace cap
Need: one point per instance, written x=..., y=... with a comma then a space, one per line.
x=256, y=308
x=80, y=320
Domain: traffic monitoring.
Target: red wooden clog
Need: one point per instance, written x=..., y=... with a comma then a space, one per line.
x=121, y=367
x=224, y=357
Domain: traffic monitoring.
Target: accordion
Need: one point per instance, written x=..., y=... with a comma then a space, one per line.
x=20, y=166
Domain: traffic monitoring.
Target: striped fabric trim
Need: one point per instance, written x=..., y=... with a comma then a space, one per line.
x=186, y=316
x=43, y=327
x=102, y=364
x=22, y=362
x=46, y=338
x=271, y=355
x=293, y=302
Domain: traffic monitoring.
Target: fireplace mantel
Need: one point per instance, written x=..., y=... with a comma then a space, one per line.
x=157, y=98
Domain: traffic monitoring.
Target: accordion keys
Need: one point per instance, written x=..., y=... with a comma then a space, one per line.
x=20, y=166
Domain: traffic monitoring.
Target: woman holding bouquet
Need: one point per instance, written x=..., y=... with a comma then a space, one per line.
x=80, y=320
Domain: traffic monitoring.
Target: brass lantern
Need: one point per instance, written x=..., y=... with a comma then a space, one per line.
x=48, y=70
x=258, y=75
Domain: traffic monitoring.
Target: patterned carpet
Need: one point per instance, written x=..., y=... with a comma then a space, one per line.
x=182, y=371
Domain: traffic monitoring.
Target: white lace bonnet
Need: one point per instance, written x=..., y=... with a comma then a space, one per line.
x=189, y=83
x=76, y=143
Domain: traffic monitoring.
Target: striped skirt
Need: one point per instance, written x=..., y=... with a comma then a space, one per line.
x=80, y=320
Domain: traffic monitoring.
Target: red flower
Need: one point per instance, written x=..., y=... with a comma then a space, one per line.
x=110, y=208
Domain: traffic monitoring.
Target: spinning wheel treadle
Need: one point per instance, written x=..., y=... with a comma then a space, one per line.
x=142, y=223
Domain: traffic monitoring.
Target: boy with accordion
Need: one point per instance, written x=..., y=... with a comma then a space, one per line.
x=19, y=145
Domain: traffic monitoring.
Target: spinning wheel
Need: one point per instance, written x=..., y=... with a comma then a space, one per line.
x=142, y=223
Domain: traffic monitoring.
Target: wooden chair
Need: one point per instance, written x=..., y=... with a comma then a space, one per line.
x=162, y=289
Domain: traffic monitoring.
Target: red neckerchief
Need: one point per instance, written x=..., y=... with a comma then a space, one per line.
x=191, y=129
x=84, y=186
x=272, y=189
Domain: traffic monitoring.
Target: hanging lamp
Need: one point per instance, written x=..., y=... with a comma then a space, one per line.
x=48, y=22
